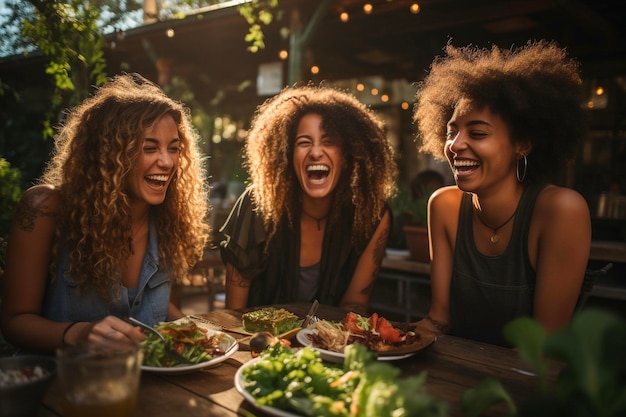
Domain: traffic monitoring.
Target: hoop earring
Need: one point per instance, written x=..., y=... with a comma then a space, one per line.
x=522, y=176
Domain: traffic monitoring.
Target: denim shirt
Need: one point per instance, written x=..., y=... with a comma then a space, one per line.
x=63, y=303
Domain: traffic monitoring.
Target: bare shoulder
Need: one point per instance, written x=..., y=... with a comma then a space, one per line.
x=558, y=201
x=40, y=201
x=445, y=197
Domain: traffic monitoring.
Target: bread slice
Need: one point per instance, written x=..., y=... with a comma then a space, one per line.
x=270, y=319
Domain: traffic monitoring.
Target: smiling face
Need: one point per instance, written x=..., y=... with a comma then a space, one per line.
x=157, y=163
x=478, y=148
x=317, y=157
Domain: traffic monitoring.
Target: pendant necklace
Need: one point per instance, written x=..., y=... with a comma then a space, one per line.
x=318, y=219
x=494, y=236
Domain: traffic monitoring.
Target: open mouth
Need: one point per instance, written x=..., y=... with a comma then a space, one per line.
x=157, y=180
x=317, y=172
x=465, y=166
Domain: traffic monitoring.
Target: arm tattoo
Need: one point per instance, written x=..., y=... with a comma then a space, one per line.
x=237, y=280
x=379, y=253
x=29, y=208
x=379, y=250
x=368, y=289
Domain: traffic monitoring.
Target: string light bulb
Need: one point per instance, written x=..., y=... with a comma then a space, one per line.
x=367, y=8
x=344, y=17
x=315, y=69
x=599, y=90
x=414, y=8
x=283, y=54
x=360, y=87
x=170, y=33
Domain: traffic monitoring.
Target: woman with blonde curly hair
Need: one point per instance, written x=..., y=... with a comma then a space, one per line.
x=118, y=216
x=313, y=224
x=505, y=241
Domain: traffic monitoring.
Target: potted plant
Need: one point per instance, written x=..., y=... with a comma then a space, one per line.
x=416, y=229
x=410, y=224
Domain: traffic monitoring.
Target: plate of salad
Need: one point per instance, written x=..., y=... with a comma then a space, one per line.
x=377, y=334
x=284, y=382
x=199, y=343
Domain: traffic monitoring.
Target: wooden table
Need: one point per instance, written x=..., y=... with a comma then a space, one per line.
x=453, y=365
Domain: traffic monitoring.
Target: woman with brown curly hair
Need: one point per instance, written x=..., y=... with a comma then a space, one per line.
x=118, y=217
x=314, y=222
x=505, y=242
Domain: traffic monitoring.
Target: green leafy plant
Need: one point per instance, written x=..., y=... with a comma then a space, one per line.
x=592, y=383
x=414, y=211
x=10, y=193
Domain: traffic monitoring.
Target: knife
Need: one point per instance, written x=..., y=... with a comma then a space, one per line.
x=311, y=314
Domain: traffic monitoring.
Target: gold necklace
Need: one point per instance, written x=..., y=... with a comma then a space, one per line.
x=318, y=219
x=494, y=236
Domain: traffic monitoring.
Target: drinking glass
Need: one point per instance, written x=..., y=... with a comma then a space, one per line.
x=99, y=381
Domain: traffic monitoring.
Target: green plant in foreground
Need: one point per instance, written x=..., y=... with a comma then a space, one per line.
x=592, y=383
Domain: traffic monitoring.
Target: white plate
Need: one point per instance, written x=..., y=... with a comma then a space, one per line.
x=338, y=357
x=240, y=380
x=229, y=345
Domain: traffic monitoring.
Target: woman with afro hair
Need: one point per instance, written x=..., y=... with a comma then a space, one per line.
x=314, y=221
x=118, y=216
x=505, y=240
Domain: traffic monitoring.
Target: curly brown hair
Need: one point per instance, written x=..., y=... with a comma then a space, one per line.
x=95, y=150
x=536, y=89
x=366, y=183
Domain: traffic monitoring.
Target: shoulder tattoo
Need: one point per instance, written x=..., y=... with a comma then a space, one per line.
x=33, y=205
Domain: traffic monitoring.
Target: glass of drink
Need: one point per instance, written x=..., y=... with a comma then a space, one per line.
x=101, y=381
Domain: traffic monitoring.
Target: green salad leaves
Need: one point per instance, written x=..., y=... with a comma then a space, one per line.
x=301, y=383
x=187, y=339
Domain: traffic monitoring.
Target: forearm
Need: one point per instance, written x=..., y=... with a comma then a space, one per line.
x=237, y=289
x=33, y=332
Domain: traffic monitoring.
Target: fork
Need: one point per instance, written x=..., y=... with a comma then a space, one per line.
x=168, y=350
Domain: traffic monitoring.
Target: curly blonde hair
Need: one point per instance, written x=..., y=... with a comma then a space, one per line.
x=536, y=89
x=95, y=150
x=367, y=181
